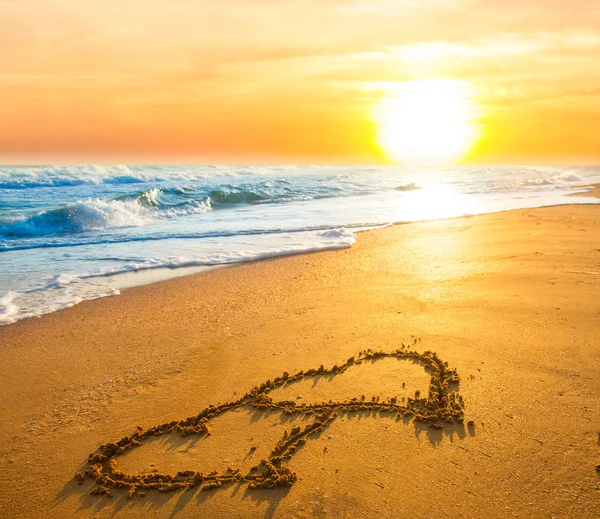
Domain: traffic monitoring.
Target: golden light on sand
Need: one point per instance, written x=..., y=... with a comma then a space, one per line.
x=427, y=121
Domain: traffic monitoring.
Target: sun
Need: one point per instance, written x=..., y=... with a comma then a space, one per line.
x=426, y=121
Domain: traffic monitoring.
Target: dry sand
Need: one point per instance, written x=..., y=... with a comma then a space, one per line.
x=511, y=300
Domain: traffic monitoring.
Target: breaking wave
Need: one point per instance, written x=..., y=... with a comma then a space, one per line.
x=73, y=233
x=142, y=207
x=29, y=177
x=552, y=180
x=76, y=218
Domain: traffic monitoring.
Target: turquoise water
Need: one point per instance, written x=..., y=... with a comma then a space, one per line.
x=70, y=233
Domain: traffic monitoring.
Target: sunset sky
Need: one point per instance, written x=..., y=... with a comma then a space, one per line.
x=296, y=81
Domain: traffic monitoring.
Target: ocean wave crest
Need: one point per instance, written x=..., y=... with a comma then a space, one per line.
x=143, y=207
x=226, y=195
x=29, y=177
x=134, y=210
x=551, y=180
x=91, y=214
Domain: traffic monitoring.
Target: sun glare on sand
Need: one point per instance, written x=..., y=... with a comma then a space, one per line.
x=426, y=121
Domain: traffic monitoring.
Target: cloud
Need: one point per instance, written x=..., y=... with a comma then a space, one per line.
x=153, y=60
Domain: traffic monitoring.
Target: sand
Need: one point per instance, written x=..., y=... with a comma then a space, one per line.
x=592, y=191
x=509, y=300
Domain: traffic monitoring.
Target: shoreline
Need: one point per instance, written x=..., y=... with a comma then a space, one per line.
x=507, y=299
x=126, y=280
x=593, y=191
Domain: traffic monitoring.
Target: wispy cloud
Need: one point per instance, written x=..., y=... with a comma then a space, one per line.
x=139, y=65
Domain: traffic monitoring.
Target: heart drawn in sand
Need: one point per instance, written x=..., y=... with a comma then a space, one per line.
x=442, y=404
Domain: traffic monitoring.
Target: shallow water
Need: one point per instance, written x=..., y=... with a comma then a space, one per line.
x=71, y=233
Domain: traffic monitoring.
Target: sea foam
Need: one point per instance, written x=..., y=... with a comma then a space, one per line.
x=66, y=290
x=9, y=311
x=74, y=233
x=76, y=218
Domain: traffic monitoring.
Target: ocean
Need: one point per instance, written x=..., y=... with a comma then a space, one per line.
x=73, y=233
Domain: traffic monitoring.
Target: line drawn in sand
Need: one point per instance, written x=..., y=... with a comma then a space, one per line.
x=442, y=404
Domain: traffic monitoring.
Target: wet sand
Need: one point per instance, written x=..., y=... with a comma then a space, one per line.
x=592, y=190
x=509, y=300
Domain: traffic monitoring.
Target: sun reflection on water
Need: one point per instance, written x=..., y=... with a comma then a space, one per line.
x=434, y=202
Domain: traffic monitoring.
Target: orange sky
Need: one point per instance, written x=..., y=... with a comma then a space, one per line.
x=288, y=81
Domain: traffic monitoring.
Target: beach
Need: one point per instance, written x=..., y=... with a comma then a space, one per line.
x=509, y=300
